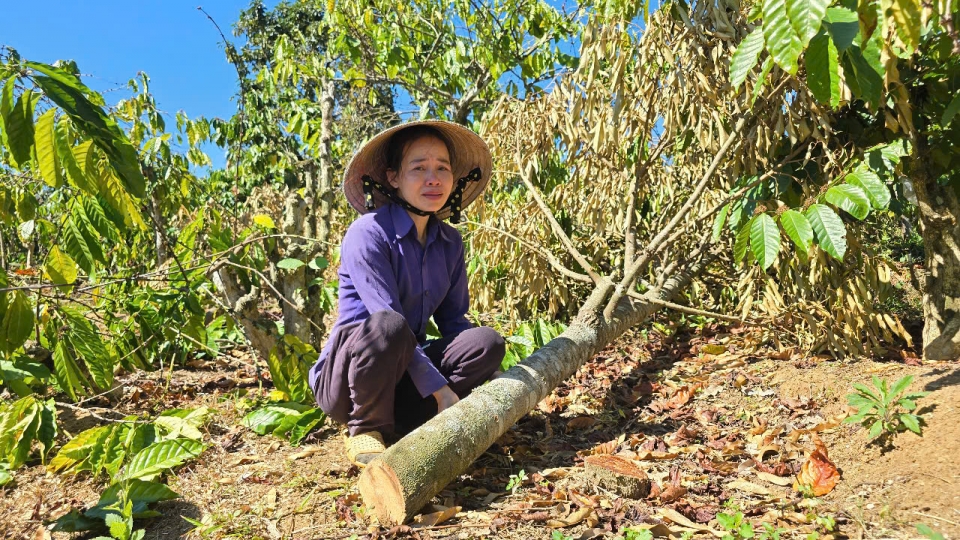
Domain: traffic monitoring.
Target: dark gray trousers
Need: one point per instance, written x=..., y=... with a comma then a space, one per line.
x=364, y=384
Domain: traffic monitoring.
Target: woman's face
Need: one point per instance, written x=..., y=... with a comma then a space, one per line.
x=425, y=178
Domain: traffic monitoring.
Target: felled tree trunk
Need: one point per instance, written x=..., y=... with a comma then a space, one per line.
x=417, y=467
x=940, y=220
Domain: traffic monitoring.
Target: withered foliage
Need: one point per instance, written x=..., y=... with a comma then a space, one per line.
x=618, y=146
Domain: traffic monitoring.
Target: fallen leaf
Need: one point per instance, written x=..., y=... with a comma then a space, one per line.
x=270, y=500
x=818, y=474
x=243, y=460
x=672, y=493
x=749, y=487
x=774, y=479
x=41, y=534
x=581, y=422
x=272, y=529
x=305, y=453
x=713, y=349
x=576, y=517
x=436, y=518
x=680, y=519
x=555, y=474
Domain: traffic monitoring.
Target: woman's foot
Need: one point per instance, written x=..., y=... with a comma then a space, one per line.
x=364, y=448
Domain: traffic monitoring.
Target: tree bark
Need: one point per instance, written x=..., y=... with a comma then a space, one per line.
x=326, y=194
x=416, y=468
x=940, y=227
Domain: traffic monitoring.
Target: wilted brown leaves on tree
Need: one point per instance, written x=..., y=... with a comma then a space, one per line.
x=616, y=148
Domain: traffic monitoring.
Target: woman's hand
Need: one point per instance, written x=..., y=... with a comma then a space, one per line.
x=445, y=398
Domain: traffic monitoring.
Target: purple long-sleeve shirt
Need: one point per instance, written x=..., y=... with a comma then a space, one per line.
x=384, y=267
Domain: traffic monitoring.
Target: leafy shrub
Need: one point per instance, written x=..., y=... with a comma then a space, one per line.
x=885, y=409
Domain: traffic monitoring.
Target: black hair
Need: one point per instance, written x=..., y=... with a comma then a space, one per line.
x=402, y=139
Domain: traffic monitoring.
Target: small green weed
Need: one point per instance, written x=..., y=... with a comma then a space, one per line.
x=885, y=409
x=927, y=532
x=516, y=480
x=637, y=534
x=737, y=528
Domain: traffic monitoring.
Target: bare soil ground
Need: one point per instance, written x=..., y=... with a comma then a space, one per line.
x=717, y=425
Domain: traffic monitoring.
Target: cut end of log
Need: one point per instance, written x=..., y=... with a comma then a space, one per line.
x=382, y=493
x=618, y=475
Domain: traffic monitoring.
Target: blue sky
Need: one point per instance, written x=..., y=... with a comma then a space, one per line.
x=112, y=40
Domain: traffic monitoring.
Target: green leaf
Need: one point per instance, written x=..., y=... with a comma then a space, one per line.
x=798, y=229
x=719, y=221
x=290, y=264
x=307, y=423
x=742, y=242
x=871, y=184
x=823, y=73
x=266, y=419
x=74, y=240
x=952, y=109
x=911, y=422
x=746, y=56
x=98, y=219
x=927, y=532
x=47, y=431
x=782, y=40
x=75, y=175
x=183, y=423
x=849, y=198
x=875, y=429
x=765, y=70
x=46, y=146
x=69, y=93
x=73, y=521
x=764, y=240
x=843, y=25
x=805, y=17
x=137, y=491
x=828, y=227
x=68, y=373
x=86, y=341
x=17, y=322
x=60, y=268
x=6, y=106
x=901, y=385
x=19, y=127
x=867, y=83
x=161, y=456
x=318, y=263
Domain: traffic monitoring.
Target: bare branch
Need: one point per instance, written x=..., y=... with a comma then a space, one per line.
x=555, y=226
x=655, y=244
x=539, y=251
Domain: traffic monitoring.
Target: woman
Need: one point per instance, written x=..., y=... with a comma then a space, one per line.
x=400, y=265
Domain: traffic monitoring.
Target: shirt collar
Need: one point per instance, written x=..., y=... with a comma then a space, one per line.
x=403, y=224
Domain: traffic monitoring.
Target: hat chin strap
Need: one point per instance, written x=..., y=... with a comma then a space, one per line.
x=454, y=201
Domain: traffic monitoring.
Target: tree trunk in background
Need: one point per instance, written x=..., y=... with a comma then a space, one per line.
x=940, y=223
x=326, y=195
x=159, y=229
x=416, y=468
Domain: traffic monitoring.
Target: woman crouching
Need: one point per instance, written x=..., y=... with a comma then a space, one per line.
x=400, y=264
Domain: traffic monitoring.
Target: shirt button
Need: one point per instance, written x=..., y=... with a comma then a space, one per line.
x=426, y=293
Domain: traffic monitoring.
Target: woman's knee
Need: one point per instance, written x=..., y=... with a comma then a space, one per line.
x=491, y=343
x=387, y=333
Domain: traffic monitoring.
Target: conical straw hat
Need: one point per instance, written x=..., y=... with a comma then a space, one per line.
x=468, y=151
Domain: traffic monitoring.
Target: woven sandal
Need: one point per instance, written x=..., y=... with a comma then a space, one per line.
x=364, y=448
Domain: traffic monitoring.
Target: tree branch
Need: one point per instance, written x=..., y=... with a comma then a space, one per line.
x=655, y=244
x=539, y=251
x=555, y=226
